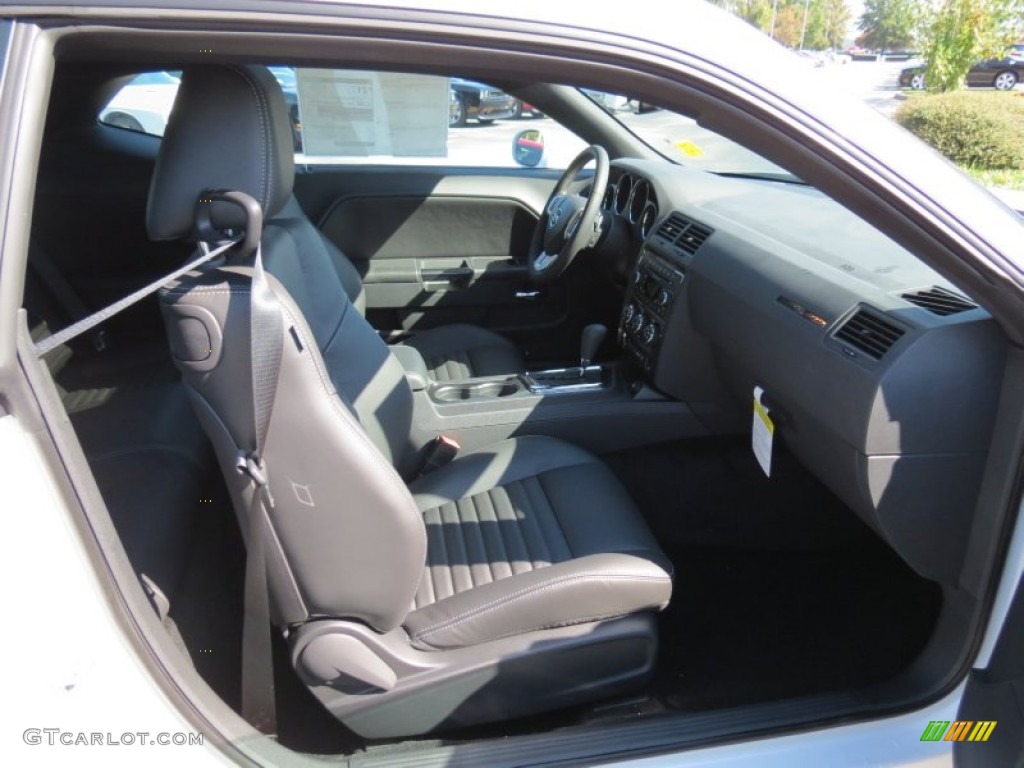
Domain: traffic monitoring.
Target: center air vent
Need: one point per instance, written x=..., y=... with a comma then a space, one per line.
x=683, y=233
x=940, y=301
x=871, y=334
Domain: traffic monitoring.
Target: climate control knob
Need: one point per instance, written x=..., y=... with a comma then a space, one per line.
x=628, y=314
x=664, y=298
x=636, y=324
x=650, y=334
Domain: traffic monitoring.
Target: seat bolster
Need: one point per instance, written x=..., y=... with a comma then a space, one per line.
x=574, y=592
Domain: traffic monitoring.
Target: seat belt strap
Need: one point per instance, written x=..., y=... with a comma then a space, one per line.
x=90, y=322
x=58, y=286
x=266, y=329
x=259, y=707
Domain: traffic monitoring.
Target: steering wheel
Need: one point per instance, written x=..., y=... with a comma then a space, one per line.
x=570, y=222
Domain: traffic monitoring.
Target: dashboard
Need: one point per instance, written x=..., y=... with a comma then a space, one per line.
x=881, y=377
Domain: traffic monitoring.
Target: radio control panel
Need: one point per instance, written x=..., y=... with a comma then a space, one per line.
x=649, y=298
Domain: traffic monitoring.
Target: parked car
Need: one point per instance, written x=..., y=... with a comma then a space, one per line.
x=704, y=449
x=1001, y=74
x=613, y=102
x=471, y=100
x=143, y=104
x=526, y=109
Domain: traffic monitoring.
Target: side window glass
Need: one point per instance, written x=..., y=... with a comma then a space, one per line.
x=343, y=116
x=143, y=104
x=356, y=116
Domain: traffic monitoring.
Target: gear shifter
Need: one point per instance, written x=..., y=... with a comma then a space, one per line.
x=566, y=380
x=590, y=342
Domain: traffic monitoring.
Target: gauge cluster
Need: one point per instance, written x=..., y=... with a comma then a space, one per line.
x=632, y=198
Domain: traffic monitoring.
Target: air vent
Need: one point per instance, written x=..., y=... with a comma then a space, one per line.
x=684, y=233
x=940, y=301
x=869, y=333
x=673, y=228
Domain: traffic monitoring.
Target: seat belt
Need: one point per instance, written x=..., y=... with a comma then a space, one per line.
x=58, y=286
x=266, y=326
x=266, y=330
x=91, y=321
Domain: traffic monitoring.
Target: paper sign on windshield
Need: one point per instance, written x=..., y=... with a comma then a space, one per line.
x=763, y=433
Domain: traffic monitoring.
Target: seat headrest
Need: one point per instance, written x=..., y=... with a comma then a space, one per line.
x=229, y=129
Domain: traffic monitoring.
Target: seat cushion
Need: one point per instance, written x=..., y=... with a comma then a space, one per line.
x=454, y=352
x=529, y=534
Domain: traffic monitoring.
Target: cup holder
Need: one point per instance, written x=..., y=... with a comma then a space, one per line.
x=453, y=392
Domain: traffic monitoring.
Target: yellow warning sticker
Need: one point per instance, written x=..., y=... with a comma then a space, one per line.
x=688, y=148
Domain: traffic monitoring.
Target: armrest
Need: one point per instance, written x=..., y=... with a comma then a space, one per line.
x=415, y=369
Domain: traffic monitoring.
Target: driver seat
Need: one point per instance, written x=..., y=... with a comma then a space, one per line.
x=516, y=579
x=314, y=270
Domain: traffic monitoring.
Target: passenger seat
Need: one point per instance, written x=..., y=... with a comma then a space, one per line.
x=516, y=579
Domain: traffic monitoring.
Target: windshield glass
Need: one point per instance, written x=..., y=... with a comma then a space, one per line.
x=681, y=140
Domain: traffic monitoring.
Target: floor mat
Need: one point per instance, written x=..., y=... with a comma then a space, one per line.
x=780, y=590
x=712, y=492
x=754, y=625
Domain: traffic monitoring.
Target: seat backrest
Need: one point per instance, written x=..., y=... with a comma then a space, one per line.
x=230, y=129
x=347, y=539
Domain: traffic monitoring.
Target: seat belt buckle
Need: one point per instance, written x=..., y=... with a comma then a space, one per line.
x=441, y=451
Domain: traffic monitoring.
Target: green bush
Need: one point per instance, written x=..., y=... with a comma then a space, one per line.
x=976, y=130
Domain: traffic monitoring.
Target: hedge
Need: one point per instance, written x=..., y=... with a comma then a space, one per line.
x=973, y=129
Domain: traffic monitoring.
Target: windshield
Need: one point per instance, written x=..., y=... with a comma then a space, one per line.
x=681, y=140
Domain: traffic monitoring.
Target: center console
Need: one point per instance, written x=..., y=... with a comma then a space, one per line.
x=652, y=291
x=598, y=407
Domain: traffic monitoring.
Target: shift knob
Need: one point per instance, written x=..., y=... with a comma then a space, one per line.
x=590, y=342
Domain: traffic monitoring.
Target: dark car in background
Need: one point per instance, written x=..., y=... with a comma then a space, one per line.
x=1002, y=74
x=473, y=100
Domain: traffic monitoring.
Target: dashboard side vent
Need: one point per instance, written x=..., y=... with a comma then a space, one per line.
x=685, y=234
x=871, y=334
x=940, y=301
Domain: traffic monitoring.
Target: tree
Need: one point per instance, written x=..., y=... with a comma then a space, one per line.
x=827, y=20
x=889, y=25
x=964, y=32
x=787, y=24
x=756, y=12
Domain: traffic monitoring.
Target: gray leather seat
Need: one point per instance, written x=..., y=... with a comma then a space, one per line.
x=515, y=579
x=457, y=351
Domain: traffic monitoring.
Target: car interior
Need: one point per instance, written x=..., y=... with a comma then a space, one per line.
x=510, y=487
